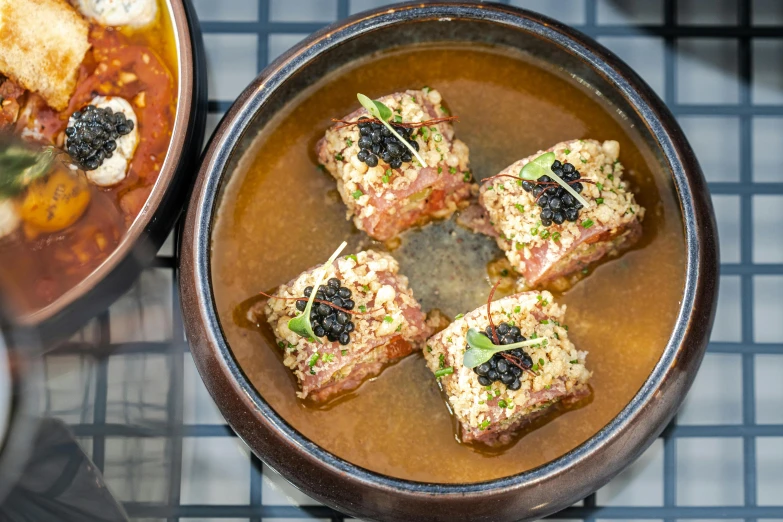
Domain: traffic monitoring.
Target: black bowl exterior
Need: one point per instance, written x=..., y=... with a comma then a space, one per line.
x=160, y=216
x=529, y=495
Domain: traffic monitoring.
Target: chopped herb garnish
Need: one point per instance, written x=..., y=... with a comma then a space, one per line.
x=357, y=194
x=566, y=151
x=399, y=328
x=438, y=138
x=544, y=321
x=444, y=371
x=441, y=361
x=388, y=319
x=440, y=170
x=484, y=424
x=575, y=361
x=587, y=223
x=281, y=344
x=338, y=157
x=313, y=359
x=429, y=349
x=544, y=234
x=352, y=256
x=556, y=236
x=348, y=141
x=444, y=110
x=519, y=207
x=328, y=358
x=519, y=246
x=452, y=170
x=397, y=118
x=343, y=352
x=425, y=133
x=362, y=308
x=466, y=176
x=599, y=200
x=583, y=160
x=366, y=288
x=459, y=316
x=541, y=362
x=611, y=177
x=502, y=403
x=517, y=309
x=600, y=186
x=534, y=368
x=548, y=386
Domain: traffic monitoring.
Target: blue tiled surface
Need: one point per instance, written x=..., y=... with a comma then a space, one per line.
x=128, y=387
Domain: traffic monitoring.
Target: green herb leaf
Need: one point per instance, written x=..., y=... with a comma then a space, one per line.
x=357, y=194
x=388, y=319
x=502, y=403
x=352, y=256
x=599, y=200
x=575, y=361
x=481, y=348
x=362, y=308
x=343, y=352
x=452, y=170
x=338, y=157
x=328, y=358
x=20, y=165
x=556, y=236
x=383, y=113
x=519, y=207
x=444, y=371
x=459, y=316
x=587, y=223
x=566, y=151
x=541, y=166
x=466, y=176
x=300, y=324
x=313, y=359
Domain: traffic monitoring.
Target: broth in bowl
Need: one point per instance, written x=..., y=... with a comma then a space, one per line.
x=280, y=214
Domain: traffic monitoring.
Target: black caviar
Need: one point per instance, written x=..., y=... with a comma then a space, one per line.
x=499, y=369
x=377, y=141
x=556, y=204
x=327, y=320
x=93, y=136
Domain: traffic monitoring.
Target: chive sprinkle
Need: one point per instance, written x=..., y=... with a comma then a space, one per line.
x=362, y=308
x=352, y=256
x=388, y=319
x=587, y=223
x=459, y=316
x=338, y=157
x=444, y=371
x=599, y=200
x=357, y=194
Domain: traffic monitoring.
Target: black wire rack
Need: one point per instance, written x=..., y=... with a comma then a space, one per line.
x=127, y=387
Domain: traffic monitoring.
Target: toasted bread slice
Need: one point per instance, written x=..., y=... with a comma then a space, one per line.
x=42, y=43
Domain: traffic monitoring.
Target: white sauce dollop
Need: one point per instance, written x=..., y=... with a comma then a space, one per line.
x=9, y=218
x=135, y=13
x=114, y=169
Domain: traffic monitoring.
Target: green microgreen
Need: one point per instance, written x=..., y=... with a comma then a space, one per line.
x=542, y=166
x=20, y=165
x=383, y=113
x=482, y=349
x=300, y=324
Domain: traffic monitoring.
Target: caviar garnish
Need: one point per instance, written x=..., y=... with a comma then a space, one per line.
x=93, y=136
x=500, y=367
x=557, y=205
x=378, y=142
x=328, y=320
x=380, y=111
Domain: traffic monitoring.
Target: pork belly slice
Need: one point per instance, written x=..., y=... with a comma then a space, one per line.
x=492, y=414
x=389, y=325
x=383, y=201
x=611, y=224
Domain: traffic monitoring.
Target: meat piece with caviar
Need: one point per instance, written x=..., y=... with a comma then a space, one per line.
x=544, y=231
x=494, y=399
x=381, y=182
x=386, y=324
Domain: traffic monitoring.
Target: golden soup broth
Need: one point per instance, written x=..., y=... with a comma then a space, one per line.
x=280, y=215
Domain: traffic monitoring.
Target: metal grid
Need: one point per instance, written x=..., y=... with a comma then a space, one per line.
x=128, y=388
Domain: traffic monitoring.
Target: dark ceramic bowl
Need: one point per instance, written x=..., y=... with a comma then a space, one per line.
x=143, y=239
x=529, y=495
